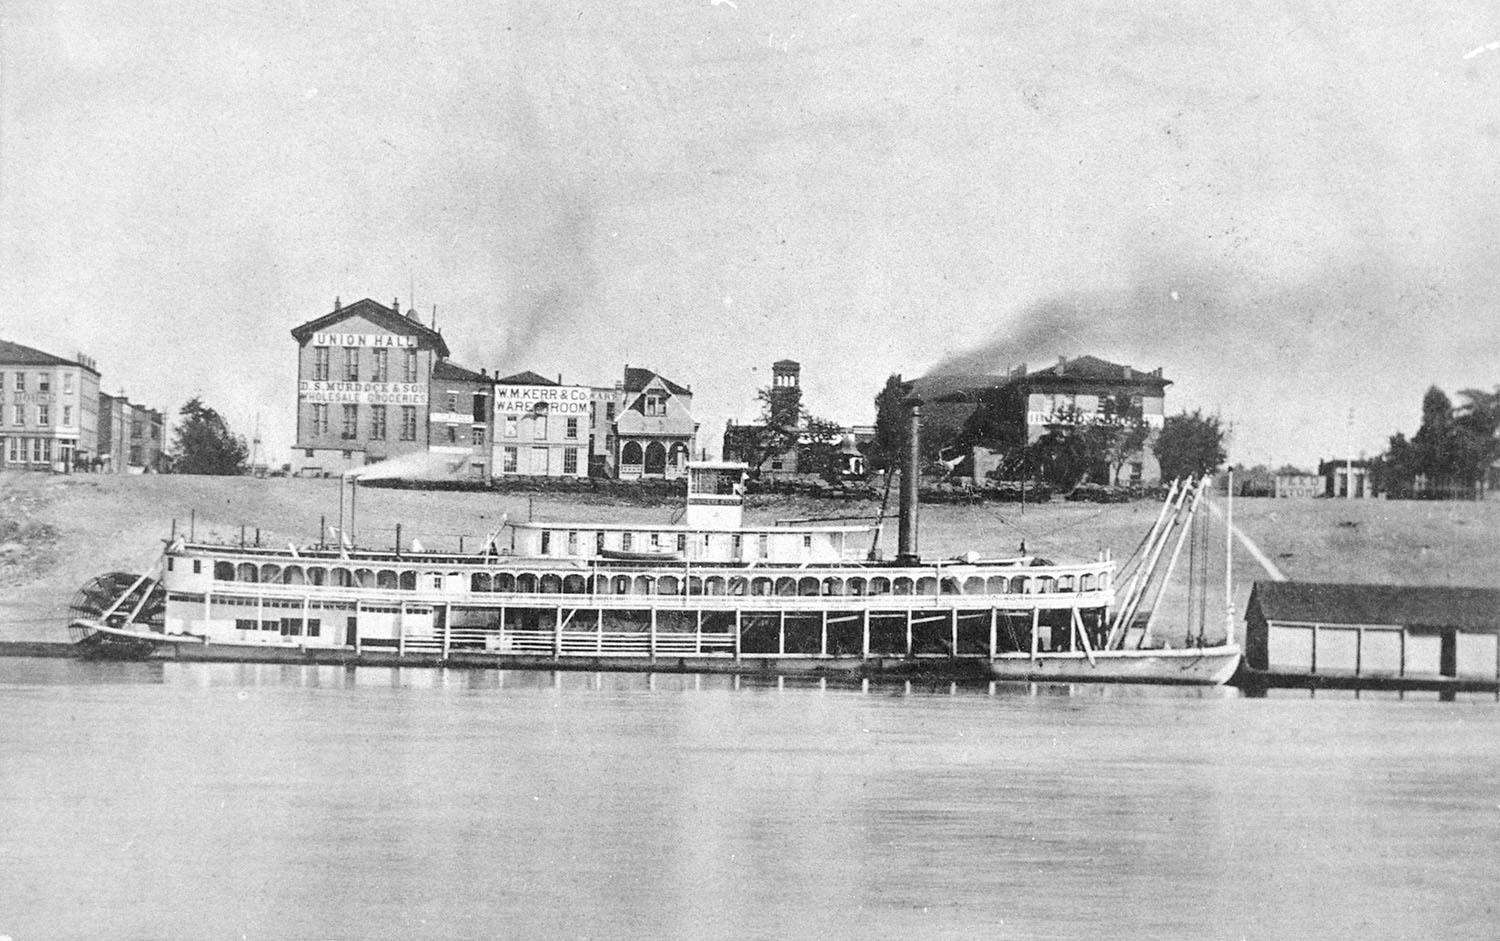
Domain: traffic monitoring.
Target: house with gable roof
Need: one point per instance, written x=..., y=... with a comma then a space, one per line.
x=654, y=433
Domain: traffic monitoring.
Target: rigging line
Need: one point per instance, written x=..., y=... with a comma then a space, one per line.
x=1192, y=573
x=1020, y=529
x=1203, y=585
x=1139, y=547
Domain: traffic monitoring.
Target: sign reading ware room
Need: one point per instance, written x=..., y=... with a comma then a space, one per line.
x=560, y=400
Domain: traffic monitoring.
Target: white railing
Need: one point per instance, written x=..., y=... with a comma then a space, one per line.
x=685, y=602
x=570, y=642
x=1063, y=599
x=615, y=643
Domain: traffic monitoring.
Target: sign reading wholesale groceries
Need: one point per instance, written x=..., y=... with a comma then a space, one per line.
x=363, y=393
x=362, y=339
x=560, y=400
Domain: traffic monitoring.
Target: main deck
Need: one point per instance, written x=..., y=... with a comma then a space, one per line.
x=599, y=607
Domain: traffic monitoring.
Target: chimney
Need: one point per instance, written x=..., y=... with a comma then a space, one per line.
x=906, y=539
x=336, y=305
x=1062, y=365
x=1129, y=373
x=396, y=305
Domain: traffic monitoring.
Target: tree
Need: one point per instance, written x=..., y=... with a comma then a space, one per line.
x=1189, y=445
x=1064, y=456
x=890, y=424
x=1117, y=444
x=817, y=447
x=1435, y=444
x=203, y=444
x=1477, y=428
x=784, y=426
x=1451, y=453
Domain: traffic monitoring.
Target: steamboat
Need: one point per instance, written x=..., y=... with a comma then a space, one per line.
x=707, y=594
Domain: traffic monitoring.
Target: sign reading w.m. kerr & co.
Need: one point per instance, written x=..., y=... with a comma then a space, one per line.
x=363, y=393
x=560, y=400
x=363, y=339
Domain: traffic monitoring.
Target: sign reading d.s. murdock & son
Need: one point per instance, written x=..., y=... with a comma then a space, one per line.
x=560, y=400
x=363, y=393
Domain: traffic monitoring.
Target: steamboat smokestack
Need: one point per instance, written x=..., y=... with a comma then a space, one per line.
x=911, y=475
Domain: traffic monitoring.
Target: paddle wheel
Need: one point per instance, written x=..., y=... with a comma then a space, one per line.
x=121, y=600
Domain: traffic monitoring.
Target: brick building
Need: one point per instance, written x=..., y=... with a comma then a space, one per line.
x=828, y=449
x=131, y=437
x=144, y=444
x=365, y=378
x=114, y=429
x=458, y=419
x=1013, y=411
x=374, y=383
x=49, y=409
x=542, y=428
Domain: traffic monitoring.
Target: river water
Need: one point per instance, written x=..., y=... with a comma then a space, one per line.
x=200, y=800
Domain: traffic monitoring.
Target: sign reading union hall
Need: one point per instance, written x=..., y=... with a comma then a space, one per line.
x=363, y=339
x=363, y=393
x=560, y=400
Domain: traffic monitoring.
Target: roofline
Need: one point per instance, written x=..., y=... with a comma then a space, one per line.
x=683, y=528
x=303, y=331
x=56, y=360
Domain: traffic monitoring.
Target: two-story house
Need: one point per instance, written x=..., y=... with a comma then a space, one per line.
x=654, y=431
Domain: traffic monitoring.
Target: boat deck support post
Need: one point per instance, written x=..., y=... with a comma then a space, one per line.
x=1082, y=635
x=994, y=632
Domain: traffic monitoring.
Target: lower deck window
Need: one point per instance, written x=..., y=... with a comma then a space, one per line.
x=296, y=627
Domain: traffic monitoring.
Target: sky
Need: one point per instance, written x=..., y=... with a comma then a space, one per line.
x=1292, y=209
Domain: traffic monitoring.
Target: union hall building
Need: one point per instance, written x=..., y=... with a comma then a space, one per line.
x=365, y=375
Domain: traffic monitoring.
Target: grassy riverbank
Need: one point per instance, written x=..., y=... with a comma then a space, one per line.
x=57, y=532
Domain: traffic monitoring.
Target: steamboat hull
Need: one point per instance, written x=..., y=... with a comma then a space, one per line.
x=1193, y=667
x=1056, y=637
x=1206, y=666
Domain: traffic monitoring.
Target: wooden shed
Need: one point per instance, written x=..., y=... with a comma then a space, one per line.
x=1373, y=630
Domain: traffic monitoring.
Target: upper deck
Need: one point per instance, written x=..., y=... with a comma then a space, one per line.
x=712, y=530
x=435, y=578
